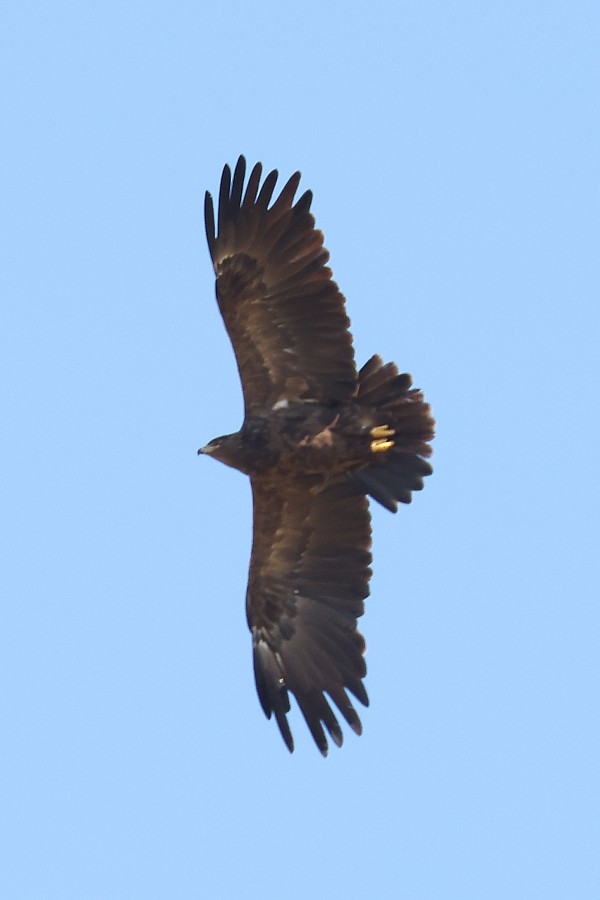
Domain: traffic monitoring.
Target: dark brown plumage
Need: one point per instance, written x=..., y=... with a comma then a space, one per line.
x=317, y=437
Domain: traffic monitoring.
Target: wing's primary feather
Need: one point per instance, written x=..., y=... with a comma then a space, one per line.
x=284, y=314
x=309, y=575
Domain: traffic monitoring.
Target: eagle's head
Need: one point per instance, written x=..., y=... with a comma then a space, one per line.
x=228, y=449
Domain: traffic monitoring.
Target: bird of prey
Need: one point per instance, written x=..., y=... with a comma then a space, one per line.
x=318, y=436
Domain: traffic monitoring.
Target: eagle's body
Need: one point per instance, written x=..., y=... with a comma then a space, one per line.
x=317, y=437
x=301, y=438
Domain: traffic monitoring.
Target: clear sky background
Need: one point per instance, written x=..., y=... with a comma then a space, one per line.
x=453, y=152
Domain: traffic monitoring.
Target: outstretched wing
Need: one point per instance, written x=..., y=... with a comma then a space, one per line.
x=283, y=313
x=309, y=575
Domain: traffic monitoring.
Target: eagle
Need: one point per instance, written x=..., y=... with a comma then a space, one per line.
x=318, y=439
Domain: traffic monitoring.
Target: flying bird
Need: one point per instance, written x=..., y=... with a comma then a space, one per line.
x=318, y=438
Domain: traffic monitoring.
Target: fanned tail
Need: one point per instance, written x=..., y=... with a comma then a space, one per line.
x=404, y=427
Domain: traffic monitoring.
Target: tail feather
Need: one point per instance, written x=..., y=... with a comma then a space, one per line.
x=379, y=382
x=392, y=475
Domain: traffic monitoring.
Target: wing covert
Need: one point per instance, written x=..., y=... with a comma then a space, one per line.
x=284, y=314
x=309, y=575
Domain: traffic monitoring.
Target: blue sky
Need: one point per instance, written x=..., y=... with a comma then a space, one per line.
x=453, y=153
